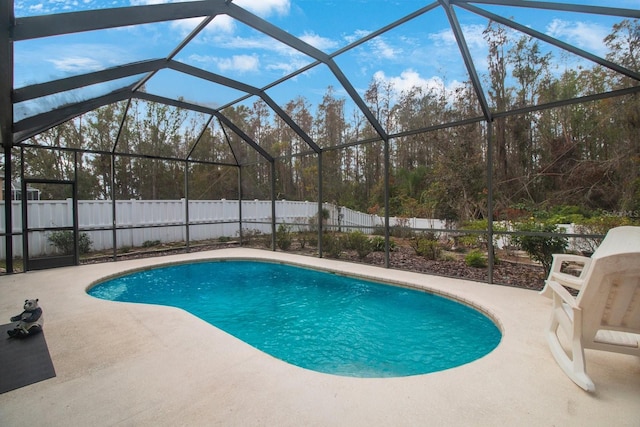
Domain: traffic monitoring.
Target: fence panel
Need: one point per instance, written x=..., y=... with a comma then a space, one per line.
x=143, y=221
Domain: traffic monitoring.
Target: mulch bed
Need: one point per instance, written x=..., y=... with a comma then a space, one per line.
x=511, y=273
x=521, y=273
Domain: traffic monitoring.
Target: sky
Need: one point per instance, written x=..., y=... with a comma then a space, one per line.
x=422, y=52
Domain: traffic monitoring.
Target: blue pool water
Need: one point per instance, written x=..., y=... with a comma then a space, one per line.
x=317, y=320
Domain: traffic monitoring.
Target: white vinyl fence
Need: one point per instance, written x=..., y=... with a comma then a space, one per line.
x=140, y=221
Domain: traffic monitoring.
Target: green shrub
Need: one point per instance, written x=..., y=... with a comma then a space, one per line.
x=224, y=239
x=448, y=257
x=377, y=244
x=467, y=241
x=332, y=244
x=63, y=242
x=426, y=245
x=302, y=239
x=479, y=240
x=563, y=214
x=400, y=232
x=325, y=214
x=540, y=248
x=150, y=243
x=283, y=237
x=360, y=242
x=476, y=259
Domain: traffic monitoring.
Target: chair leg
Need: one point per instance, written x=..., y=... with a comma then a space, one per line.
x=574, y=366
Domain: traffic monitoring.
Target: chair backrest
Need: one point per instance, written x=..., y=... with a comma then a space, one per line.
x=610, y=298
x=619, y=240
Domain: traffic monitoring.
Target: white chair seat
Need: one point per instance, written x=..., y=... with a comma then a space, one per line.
x=625, y=339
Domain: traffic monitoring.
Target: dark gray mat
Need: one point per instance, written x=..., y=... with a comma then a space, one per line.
x=23, y=361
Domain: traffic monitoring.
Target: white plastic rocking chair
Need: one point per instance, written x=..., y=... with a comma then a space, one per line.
x=605, y=315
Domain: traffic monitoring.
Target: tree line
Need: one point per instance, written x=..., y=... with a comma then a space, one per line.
x=585, y=155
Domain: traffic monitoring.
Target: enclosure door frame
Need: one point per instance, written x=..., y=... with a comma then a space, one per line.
x=44, y=262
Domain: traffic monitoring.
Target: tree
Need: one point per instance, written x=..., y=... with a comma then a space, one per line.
x=499, y=94
x=330, y=129
x=101, y=131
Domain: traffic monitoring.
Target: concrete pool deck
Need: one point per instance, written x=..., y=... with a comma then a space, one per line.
x=136, y=365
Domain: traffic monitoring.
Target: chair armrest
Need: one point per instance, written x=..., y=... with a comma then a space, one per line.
x=565, y=278
x=558, y=259
x=566, y=297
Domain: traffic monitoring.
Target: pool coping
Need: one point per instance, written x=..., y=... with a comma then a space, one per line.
x=134, y=364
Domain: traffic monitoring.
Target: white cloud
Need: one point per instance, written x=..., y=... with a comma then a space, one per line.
x=284, y=67
x=238, y=63
x=224, y=23
x=254, y=43
x=265, y=8
x=202, y=59
x=409, y=79
x=261, y=8
x=288, y=67
x=383, y=50
x=587, y=36
x=221, y=23
x=76, y=64
x=472, y=35
x=357, y=35
x=445, y=53
x=81, y=57
x=318, y=42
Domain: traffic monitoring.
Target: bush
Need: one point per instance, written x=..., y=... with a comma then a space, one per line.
x=360, y=242
x=377, y=244
x=312, y=239
x=249, y=235
x=540, y=248
x=283, y=237
x=401, y=229
x=302, y=239
x=479, y=240
x=63, y=242
x=150, y=243
x=332, y=245
x=476, y=259
x=427, y=246
x=474, y=240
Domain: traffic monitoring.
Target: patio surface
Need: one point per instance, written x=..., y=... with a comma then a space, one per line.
x=122, y=364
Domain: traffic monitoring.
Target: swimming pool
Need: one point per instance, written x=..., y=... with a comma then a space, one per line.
x=317, y=320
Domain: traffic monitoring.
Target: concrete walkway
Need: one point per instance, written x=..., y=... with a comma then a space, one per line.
x=121, y=364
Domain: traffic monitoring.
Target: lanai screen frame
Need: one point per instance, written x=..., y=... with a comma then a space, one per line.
x=13, y=134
